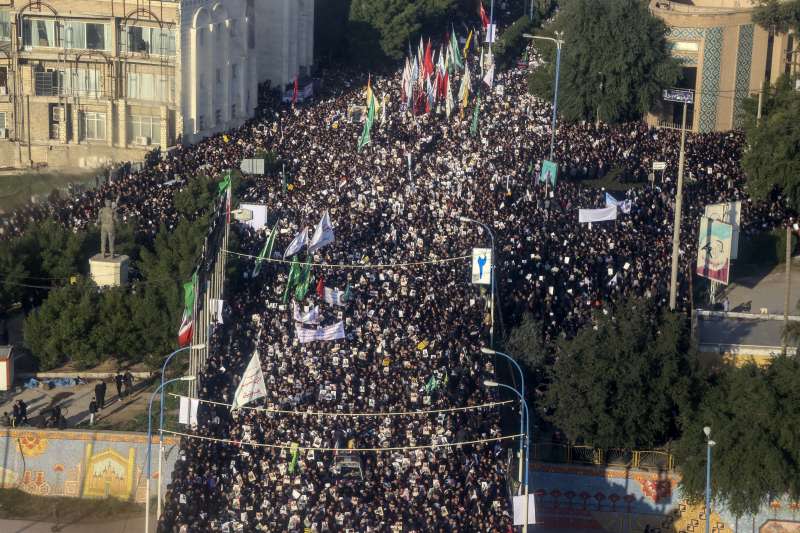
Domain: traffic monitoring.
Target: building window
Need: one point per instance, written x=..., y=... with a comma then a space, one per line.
x=93, y=126
x=218, y=116
x=4, y=78
x=151, y=40
x=81, y=82
x=219, y=75
x=233, y=110
x=686, y=46
x=86, y=35
x=5, y=25
x=201, y=123
x=234, y=71
x=39, y=33
x=154, y=87
x=143, y=126
x=2, y=120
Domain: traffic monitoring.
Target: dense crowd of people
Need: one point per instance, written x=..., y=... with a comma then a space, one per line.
x=413, y=332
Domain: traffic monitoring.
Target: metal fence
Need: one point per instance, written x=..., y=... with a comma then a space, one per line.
x=556, y=452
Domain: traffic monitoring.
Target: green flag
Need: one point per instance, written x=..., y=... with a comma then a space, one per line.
x=431, y=385
x=294, y=275
x=225, y=184
x=455, y=52
x=266, y=251
x=303, y=282
x=365, y=135
x=295, y=454
x=473, y=129
x=186, y=329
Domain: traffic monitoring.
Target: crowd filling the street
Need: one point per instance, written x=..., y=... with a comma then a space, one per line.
x=402, y=375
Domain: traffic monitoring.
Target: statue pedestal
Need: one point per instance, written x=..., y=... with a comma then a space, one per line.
x=108, y=272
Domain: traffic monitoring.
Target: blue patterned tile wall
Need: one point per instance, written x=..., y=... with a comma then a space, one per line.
x=744, y=59
x=709, y=90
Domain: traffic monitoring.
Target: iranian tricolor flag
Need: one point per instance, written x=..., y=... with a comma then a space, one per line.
x=187, y=320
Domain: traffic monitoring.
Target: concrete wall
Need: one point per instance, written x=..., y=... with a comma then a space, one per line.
x=81, y=464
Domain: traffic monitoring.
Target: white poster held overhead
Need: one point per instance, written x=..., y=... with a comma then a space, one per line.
x=252, y=386
x=519, y=509
x=597, y=215
x=259, y=219
x=482, y=266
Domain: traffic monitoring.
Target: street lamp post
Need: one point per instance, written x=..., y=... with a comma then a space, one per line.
x=559, y=41
x=161, y=417
x=494, y=260
x=686, y=97
x=709, y=444
x=149, y=447
x=522, y=393
x=493, y=384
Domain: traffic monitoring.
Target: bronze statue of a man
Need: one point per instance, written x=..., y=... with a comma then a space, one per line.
x=107, y=218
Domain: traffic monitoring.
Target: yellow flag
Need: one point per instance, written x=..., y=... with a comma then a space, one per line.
x=226, y=138
x=466, y=46
x=369, y=90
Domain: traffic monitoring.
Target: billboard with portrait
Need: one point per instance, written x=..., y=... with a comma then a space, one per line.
x=714, y=250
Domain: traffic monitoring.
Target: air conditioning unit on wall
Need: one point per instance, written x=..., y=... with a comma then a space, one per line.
x=3, y=133
x=142, y=141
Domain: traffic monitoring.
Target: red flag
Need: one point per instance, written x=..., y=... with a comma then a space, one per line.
x=321, y=287
x=428, y=60
x=484, y=18
x=443, y=87
x=294, y=94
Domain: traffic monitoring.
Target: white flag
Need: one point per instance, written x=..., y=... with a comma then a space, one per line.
x=335, y=297
x=297, y=244
x=216, y=309
x=252, y=386
x=188, y=410
x=597, y=215
x=327, y=333
x=309, y=317
x=323, y=234
x=488, y=79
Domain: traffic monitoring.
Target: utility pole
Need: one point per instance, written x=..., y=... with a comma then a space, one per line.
x=559, y=41
x=760, y=100
x=787, y=295
x=686, y=97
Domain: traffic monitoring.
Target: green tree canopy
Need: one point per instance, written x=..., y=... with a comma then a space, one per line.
x=778, y=16
x=619, y=73
x=753, y=417
x=380, y=30
x=772, y=159
x=60, y=329
x=526, y=345
x=622, y=381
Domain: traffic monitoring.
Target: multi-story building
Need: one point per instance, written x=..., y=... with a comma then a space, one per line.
x=85, y=82
x=726, y=57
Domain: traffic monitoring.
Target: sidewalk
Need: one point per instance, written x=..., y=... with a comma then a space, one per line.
x=74, y=402
x=128, y=525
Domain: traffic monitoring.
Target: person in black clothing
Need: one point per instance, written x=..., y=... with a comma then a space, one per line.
x=118, y=380
x=92, y=410
x=23, y=412
x=100, y=394
x=128, y=383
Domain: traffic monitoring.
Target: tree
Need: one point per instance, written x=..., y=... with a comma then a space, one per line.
x=61, y=329
x=381, y=30
x=619, y=74
x=622, y=381
x=526, y=345
x=778, y=16
x=753, y=418
x=772, y=159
